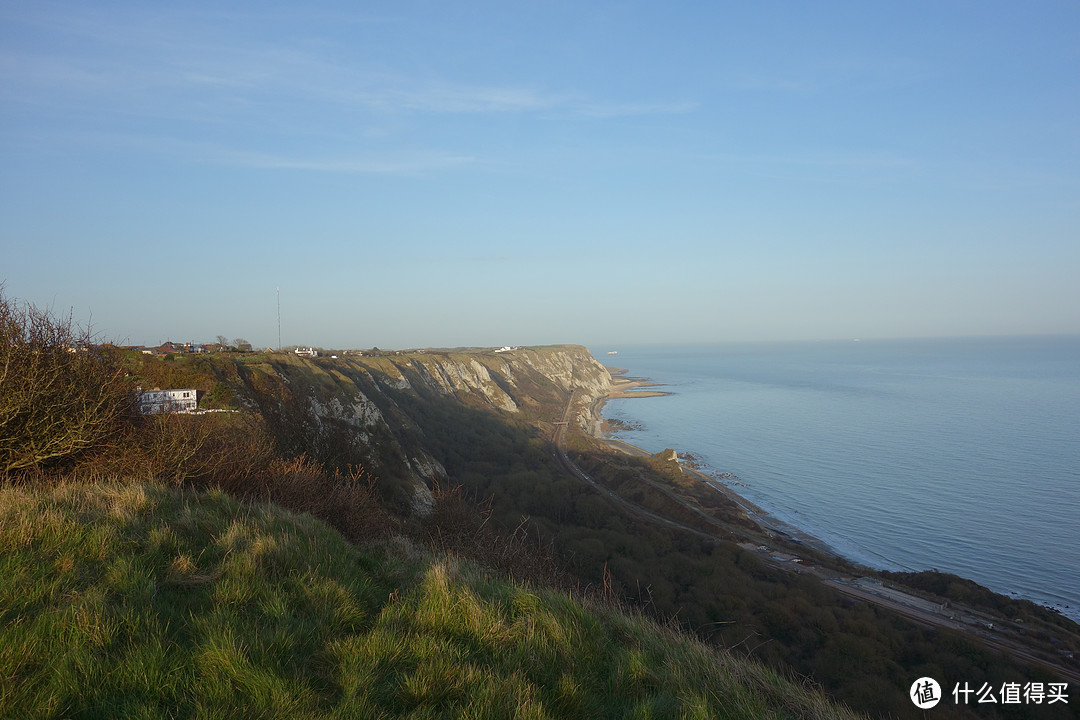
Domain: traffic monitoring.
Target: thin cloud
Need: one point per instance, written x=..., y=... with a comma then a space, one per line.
x=839, y=159
x=600, y=110
x=349, y=161
x=145, y=65
x=228, y=98
x=401, y=94
x=405, y=164
x=826, y=75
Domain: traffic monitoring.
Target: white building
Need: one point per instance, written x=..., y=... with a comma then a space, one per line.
x=307, y=352
x=152, y=402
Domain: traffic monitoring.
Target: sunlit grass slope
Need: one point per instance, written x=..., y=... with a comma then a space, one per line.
x=147, y=602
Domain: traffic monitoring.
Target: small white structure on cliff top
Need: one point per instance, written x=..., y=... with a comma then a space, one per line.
x=153, y=402
x=307, y=352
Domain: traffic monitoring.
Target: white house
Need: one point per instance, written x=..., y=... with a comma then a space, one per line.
x=152, y=402
x=307, y=352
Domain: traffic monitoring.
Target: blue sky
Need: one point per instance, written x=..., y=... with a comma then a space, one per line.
x=442, y=174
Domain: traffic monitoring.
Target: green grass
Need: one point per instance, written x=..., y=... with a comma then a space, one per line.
x=147, y=602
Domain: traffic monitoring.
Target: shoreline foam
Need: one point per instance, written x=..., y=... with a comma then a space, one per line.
x=626, y=387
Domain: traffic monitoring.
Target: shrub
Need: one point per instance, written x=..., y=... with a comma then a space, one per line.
x=349, y=501
x=60, y=393
x=216, y=449
x=458, y=525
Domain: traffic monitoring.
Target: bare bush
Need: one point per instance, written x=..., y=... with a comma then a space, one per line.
x=215, y=449
x=459, y=525
x=60, y=393
x=348, y=502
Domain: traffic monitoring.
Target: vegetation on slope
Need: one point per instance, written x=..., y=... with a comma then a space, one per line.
x=144, y=601
x=860, y=653
x=538, y=521
x=59, y=394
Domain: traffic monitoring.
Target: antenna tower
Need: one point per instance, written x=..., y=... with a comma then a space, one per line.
x=278, y=291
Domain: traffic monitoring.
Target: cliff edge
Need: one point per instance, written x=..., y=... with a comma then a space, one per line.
x=369, y=410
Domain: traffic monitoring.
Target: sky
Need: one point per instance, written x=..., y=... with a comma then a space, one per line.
x=431, y=174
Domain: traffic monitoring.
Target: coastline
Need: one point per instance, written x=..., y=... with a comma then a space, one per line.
x=623, y=387
x=603, y=430
x=842, y=573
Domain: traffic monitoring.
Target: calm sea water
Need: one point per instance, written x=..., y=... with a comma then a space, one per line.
x=961, y=455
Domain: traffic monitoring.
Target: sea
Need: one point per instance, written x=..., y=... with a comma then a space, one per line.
x=961, y=455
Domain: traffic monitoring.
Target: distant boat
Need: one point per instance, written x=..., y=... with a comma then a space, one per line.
x=613, y=352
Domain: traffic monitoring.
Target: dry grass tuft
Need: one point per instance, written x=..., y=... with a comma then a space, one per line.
x=459, y=525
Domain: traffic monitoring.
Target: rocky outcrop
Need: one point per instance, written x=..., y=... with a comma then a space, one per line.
x=452, y=375
x=509, y=380
x=366, y=410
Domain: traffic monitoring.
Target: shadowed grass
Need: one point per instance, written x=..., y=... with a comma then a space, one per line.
x=137, y=601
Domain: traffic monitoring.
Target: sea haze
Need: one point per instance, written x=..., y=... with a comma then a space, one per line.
x=956, y=454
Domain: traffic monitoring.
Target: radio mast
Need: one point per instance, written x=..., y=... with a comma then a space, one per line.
x=278, y=292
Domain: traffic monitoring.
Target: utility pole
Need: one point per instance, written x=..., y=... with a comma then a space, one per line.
x=278, y=291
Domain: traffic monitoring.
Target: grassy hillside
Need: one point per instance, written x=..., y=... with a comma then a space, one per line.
x=424, y=445
x=144, y=601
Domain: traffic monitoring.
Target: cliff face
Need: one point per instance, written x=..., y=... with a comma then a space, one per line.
x=371, y=411
x=512, y=380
